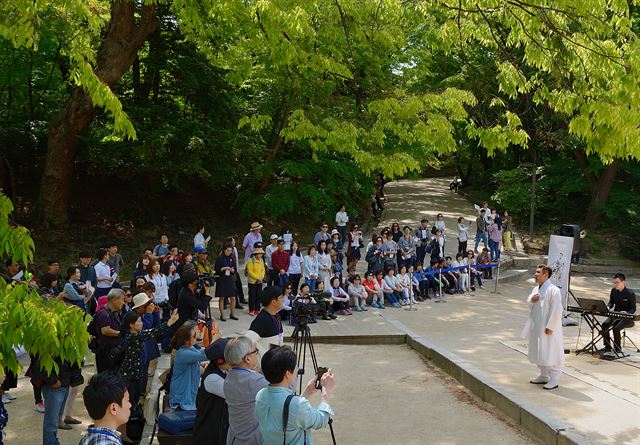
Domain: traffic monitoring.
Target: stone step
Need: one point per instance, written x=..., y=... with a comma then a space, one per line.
x=609, y=262
x=587, y=269
x=514, y=275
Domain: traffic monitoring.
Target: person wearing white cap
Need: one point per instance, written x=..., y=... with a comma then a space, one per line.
x=272, y=247
x=251, y=239
x=143, y=305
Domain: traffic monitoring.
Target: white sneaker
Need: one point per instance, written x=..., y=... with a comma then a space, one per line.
x=540, y=380
x=414, y=301
x=553, y=384
x=6, y=399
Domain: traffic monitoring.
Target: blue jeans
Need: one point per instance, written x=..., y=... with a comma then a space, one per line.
x=481, y=236
x=311, y=283
x=494, y=247
x=392, y=298
x=54, y=400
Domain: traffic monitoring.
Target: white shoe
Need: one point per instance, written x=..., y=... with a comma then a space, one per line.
x=6, y=399
x=553, y=384
x=540, y=380
x=414, y=301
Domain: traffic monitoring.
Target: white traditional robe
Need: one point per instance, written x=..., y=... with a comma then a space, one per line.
x=545, y=350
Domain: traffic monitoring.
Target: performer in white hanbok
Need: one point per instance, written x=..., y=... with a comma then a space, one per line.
x=544, y=329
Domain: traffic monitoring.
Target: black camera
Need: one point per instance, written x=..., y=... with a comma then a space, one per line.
x=319, y=373
x=302, y=310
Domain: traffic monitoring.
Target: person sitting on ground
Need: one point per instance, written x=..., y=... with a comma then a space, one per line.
x=405, y=282
x=212, y=414
x=432, y=275
x=240, y=388
x=475, y=273
x=463, y=282
x=272, y=402
x=448, y=278
x=340, y=297
x=417, y=277
x=358, y=293
x=392, y=290
x=373, y=290
x=305, y=298
x=267, y=323
x=107, y=401
x=412, y=289
x=185, y=377
x=324, y=301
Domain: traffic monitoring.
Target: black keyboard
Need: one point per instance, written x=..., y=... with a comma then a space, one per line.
x=612, y=314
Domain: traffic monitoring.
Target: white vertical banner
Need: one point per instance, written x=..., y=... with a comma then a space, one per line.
x=560, y=248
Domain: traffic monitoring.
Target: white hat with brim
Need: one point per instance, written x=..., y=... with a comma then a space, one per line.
x=140, y=300
x=256, y=225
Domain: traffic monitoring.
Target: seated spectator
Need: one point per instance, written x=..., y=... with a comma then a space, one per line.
x=340, y=297
x=324, y=301
x=212, y=414
x=373, y=290
x=240, y=388
x=485, y=260
x=75, y=292
x=107, y=401
x=185, y=378
x=391, y=288
x=358, y=293
x=475, y=273
x=463, y=282
x=279, y=367
x=405, y=282
x=305, y=298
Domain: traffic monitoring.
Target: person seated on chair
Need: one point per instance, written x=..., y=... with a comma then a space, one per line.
x=621, y=299
x=267, y=323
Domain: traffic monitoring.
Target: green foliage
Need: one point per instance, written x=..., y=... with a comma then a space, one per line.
x=46, y=328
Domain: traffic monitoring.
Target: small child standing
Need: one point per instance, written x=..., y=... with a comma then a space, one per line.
x=107, y=401
x=485, y=259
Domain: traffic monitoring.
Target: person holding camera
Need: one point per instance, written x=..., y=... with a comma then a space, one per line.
x=282, y=416
x=189, y=305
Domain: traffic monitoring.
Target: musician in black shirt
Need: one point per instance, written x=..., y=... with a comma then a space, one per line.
x=622, y=299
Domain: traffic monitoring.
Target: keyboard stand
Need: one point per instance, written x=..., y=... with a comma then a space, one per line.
x=596, y=334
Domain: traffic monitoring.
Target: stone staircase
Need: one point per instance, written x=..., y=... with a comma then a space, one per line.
x=596, y=266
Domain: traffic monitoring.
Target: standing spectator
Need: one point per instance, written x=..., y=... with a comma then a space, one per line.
x=189, y=305
x=341, y=221
x=75, y=292
x=225, y=268
x=54, y=269
x=199, y=240
x=256, y=271
x=495, y=238
x=407, y=248
x=424, y=236
x=390, y=248
x=185, y=377
x=143, y=305
x=162, y=249
x=507, y=227
x=311, y=267
x=108, y=324
x=87, y=272
x=212, y=414
x=240, y=291
x=324, y=264
x=296, y=266
x=159, y=280
x=115, y=259
x=272, y=247
x=437, y=246
x=104, y=280
x=354, y=244
x=55, y=390
x=440, y=225
x=280, y=262
x=481, y=230
x=463, y=235
x=322, y=235
x=375, y=256
x=251, y=239
x=107, y=401
x=287, y=236
x=396, y=234
x=240, y=389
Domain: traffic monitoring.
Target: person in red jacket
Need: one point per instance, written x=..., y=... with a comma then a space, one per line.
x=280, y=260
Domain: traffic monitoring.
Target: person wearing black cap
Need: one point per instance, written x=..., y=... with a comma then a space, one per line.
x=212, y=414
x=268, y=324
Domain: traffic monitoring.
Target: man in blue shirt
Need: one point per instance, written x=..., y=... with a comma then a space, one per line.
x=279, y=368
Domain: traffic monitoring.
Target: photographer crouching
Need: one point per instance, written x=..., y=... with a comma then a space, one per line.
x=283, y=417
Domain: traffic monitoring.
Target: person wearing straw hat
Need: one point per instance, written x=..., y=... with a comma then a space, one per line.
x=251, y=239
x=143, y=305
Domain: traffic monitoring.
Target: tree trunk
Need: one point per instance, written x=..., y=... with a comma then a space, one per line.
x=275, y=142
x=600, y=193
x=119, y=49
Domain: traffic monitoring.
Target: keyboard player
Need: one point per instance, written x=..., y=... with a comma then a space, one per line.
x=621, y=299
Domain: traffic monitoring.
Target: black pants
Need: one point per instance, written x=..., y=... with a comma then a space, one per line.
x=421, y=252
x=272, y=277
x=427, y=284
x=462, y=247
x=103, y=360
x=616, y=325
x=254, y=297
x=294, y=279
x=240, y=290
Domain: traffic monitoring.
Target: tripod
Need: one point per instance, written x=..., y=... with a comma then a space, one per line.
x=301, y=341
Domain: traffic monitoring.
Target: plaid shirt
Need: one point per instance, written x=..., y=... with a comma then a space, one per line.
x=101, y=436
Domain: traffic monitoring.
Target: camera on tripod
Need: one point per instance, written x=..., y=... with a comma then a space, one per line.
x=204, y=280
x=302, y=311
